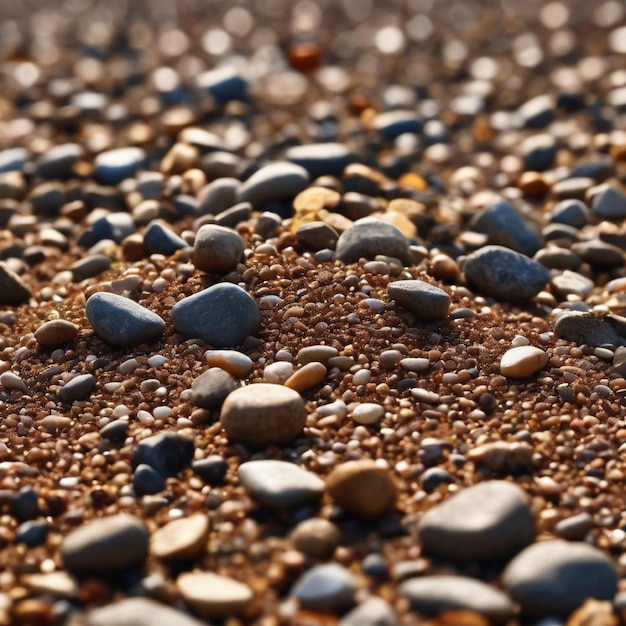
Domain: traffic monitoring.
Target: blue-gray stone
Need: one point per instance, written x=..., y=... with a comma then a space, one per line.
x=279, y=180
x=13, y=159
x=539, y=111
x=593, y=330
x=392, y=124
x=122, y=322
x=78, y=388
x=116, y=226
x=167, y=453
x=571, y=212
x=505, y=274
x=539, y=152
x=13, y=291
x=224, y=84
x=58, y=161
x=435, y=476
x=211, y=469
x=32, y=533
x=218, y=195
x=113, y=166
x=504, y=226
x=222, y=315
x=421, y=298
x=609, y=203
x=147, y=481
x=115, y=431
x=89, y=266
x=210, y=389
x=370, y=237
x=160, y=239
x=326, y=589
x=320, y=159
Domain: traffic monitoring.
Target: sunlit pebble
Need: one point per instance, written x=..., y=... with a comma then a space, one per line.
x=592, y=68
x=390, y=40
x=173, y=42
x=26, y=74
x=554, y=15
x=527, y=50
x=238, y=21
x=146, y=418
x=609, y=13
x=216, y=41
x=484, y=68
x=306, y=16
x=617, y=40
x=165, y=79
x=454, y=53
x=419, y=28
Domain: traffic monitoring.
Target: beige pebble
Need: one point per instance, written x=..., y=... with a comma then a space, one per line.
x=11, y=381
x=306, y=377
x=214, y=596
x=56, y=333
x=184, y=538
x=316, y=537
x=231, y=361
x=318, y=353
x=502, y=456
x=522, y=361
x=55, y=583
x=54, y=423
x=367, y=413
x=362, y=488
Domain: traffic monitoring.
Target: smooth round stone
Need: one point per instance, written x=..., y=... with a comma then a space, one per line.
x=600, y=253
x=505, y=274
x=13, y=159
x=539, y=152
x=222, y=315
x=392, y=124
x=326, y=588
x=434, y=595
x=609, y=203
x=593, y=330
x=522, y=361
x=372, y=612
x=122, y=322
x=211, y=469
x=571, y=212
x=321, y=159
x=106, y=545
x=89, y=267
x=316, y=537
x=558, y=259
x=277, y=373
x=421, y=298
x=184, y=538
x=553, y=578
x=140, y=612
x=211, y=388
x=433, y=477
x=231, y=361
x=276, y=181
x=58, y=162
x=370, y=237
x=362, y=488
x=317, y=236
x=56, y=333
x=159, y=239
x=213, y=596
x=223, y=83
x=113, y=166
x=487, y=520
x=502, y=456
x=574, y=528
x=116, y=226
x=218, y=196
x=368, y=413
x=32, y=533
x=320, y=353
x=538, y=111
x=415, y=364
x=263, y=414
x=13, y=291
x=278, y=484
x=168, y=453
x=115, y=431
x=78, y=388
x=147, y=481
x=504, y=226
x=217, y=249
x=307, y=376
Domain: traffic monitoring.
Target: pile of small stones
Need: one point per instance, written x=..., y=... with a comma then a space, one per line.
x=312, y=313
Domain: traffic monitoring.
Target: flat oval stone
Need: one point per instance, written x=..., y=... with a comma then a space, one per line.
x=553, y=578
x=505, y=274
x=184, y=538
x=211, y=388
x=370, y=237
x=13, y=291
x=368, y=413
x=316, y=537
x=372, y=612
x=362, y=488
x=321, y=159
x=319, y=353
x=10, y=381
x=213, y=596
x=106, y=545
x=58, y=161
x=328, y=588
x=434, y=595
x=78, y=388
x=56, y=333
x=609, y=203
x=276, y=181
x=487, y=520
x=222, y=315
x=113, y=166
x=262, y=414
x=307, y=376
x=224, y=83
x=278, y=484
x=217, y=249
x=591, y=329
x=425, y=300
x=522, y=361
x=122, y=322
x=140, y=612
x=89, y=266
x=147, y=481
x=218, y=196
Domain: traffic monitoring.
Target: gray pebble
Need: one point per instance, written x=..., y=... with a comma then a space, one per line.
x=219, y=195
x=13, y=159
x=115, y=431
x=234, y=215
x=217, y=249
x=278, y=484
x=591, y=329
x=224, y=83
x=505, y=274
x=58, y=161
x=160, y=239
x=433, y=595
x=321, y=159
x=122, y=322
x=211, y=469
x=140, y=612
x=275, y=181
x=202, y=139
x=425, y=300
x=599, y=253
x=571, y=212
x=89, y=266
x=609, y=203
x=575, y=527
x=538, y=152
x=619, y=361
x=539, y=111
x=370, y=237
x=106, y=545
x=116, y=226
x=487, y=520
x=113, y=166
x=556, y=258
x=210, y=389
x=147, y=481
x=78, y=388
x=13, y=291
x=222, y=315
x=317, y=236
x=372, y=612
x=571, y=283
x=556, y=577
x=168, y=453
x=392, y=124
x=433, y=477
x=326, y=588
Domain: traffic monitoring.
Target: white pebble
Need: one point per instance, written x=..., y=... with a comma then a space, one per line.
x=338, y=408
x=367, y=413
x=362, y=377
x=128, y=366
x=9, y=381
x=519, y=340
x=162, y=412
x=277, y=372
x=415, y=364
x=121, y=410
x=522, y=361
x=146, y=418
x=157, y=360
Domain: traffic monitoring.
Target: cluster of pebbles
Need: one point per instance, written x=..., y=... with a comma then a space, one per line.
x=311, y=313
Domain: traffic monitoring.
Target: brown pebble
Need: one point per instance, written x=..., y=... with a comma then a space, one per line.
x=56, y=333
x=306, y=377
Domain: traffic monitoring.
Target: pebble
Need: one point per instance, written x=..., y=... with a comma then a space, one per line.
x=89, y=267
x=280, y=180
x=522, y=361
x=504, y=226
x=575, y=527
x=372, y=612
x=571, y=283
x=147, y=481
x=211, y=469
x=571, y=212
x=392, y=124
x=368, y=413
x=278, y=372
x=370, y=237
x=553, y=578
x=321, y=159
x=13, y=159
x=113, y=166
x=217, y=249
x=213, y=596
x=218, y=196
x=319, y=353
x=307, y=376
x=487, y=520
x=56, y=333
x=224, y=83
x=599, y=253
x=362, y=488
x=538, y=111
x=168, y=453
x=139, y=612
x=619, y=361
x=421, y=298
x=183, y=539
x=222, y=315
x=317, y=236
x=505, y=274
x=159, y=239
x=58, y=161
x=13, y=291
x=211, y=388
x=121, y=321
x=415, y=364
x=11, y=381
x=316, y=537
x=262, y=414
x=78, y=388
x=590, y=329
x=326, y=588
x=434, y=595
x=609, y=203
x=32, y=533
x=231, y=361
x=105, y=545
x=278, y=484
x=503, y=456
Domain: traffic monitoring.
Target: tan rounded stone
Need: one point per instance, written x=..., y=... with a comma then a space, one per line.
x=306, y=377
x=214, y=596
x=56, y=333
x=316, y=537
x=231, y=361
x=522, y=361
x=184, y=538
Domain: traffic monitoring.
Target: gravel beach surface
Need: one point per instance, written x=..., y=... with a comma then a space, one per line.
x=313, y=313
